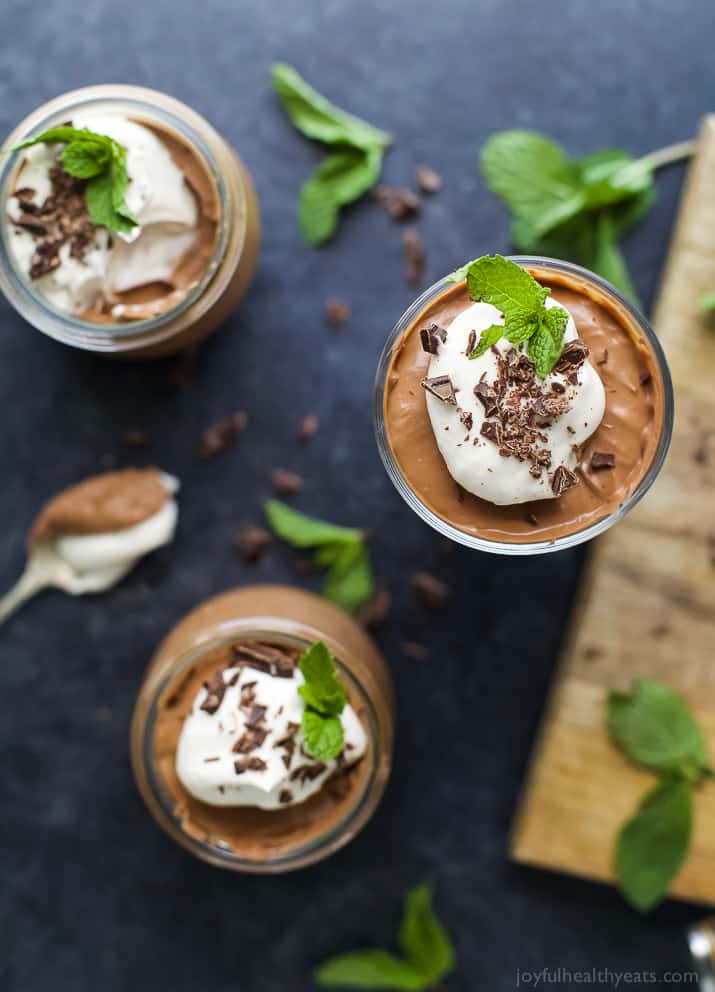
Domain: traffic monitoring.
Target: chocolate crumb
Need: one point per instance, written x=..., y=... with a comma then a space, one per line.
x=427, y=180
x=644, y=378
x=441, y=387
x=222, y=435
x=660, y=630
x=414, y=256
x=602, y=459
x=285, y=796
x=492, y=431
x=250, y=739
x=135, y=438
x=471, y=343
x=376, y=610
x=563, y=479
x=215, y=691
x=431, y=337
x=532, y=519
x=414, y=650
x=209, y=760
x=337, y=311
x=264, y=658
x=570, y=429
x=399, y=201
x=252, y=542
x=307, y=427
x=249, y=765
x=573, y=355
x=286, y=483
x=431, y=592
x=488, y=398
x=467, y=419
x=306, y=773
x=591, y=651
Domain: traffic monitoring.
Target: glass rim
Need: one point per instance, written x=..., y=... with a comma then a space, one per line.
x=160, y=802
x=32, y=306
x=516, y=548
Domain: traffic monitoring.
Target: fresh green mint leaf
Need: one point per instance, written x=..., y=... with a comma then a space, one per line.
x=487, y=338
x=323, y=735
x=321, y=679
x=423, y=939
x=656, y=729
x=459, y=274
x=317, y=118
x=373, y=969
x=607, y=258
x=350, y=583
x=652, y=846
x=707, y=301
x=101, y=204
x=506, y=285
x=57, y=136
x=521, y=325
x=340, y=179
x=84, y=159
x=306, y=532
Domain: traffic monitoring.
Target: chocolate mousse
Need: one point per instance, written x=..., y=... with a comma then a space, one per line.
x=507, y=451
x=223, y=746
x=91, y=535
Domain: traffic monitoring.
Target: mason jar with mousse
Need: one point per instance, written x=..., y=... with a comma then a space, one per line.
x=169, y=281
x=522, y=429
x=219, y=744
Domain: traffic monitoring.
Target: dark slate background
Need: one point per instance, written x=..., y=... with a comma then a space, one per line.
x=92, y=895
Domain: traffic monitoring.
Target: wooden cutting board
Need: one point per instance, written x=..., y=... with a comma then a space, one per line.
x=647, y=605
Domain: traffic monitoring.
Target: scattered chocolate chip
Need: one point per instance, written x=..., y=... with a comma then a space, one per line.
x=215, y=691
x=492, y=431
x=376, y=610
x=602, y=459
x=467, y=419
x=430, y=591
x=264, y=658
x=604, y=357
x=427, y=180
x=431, y=337
x=249, y=765
x=573, y=355
x=570, y=429
x=532, y=519
x=222, y=435
x=414, y=650
x=252, y=542
x=441, y=387
x=307, y=427
x=286, y=483
x=208, y=761
x=413, y=251
x=558, y=387
x=644, y=378
x=285, y=796
x=488, y=398
x=249, y=740
x=135, y=439
x=592, y=652
x=306, y=773
x=471, y=343
x=563, y=479
x=337, y=311
x=255, y=716
x=399, y=201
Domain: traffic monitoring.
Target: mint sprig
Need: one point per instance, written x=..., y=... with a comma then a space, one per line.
x=325, y=700
x=513, y=291
x=427, y=954
x=101, y=161
x=655, y=729
x=342, y=550
x=342, y=177
x=574, y=208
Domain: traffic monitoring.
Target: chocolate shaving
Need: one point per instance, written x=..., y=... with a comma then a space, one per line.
x=250, y=739
x=249, y=765
x=215, y=691
x=441, y=387
x=492, y=431
x=644, y=378
x=264, y=658
x=285, y=796
x=337, y=311
x=255, y=716
x=376, y=610
x=252, y=542
x=562, y=480
x=286, y=483
x=602, y=459
x=427, y=180
x=287, y=742
x=307, y=427
x=431, y=337
x=430, y=591
x=573, y=355
x=306, y=773
x=471, y=343
x=222, y=435
x=413, y=251
x=467, y=419
x=399, y=202
x=488, y=398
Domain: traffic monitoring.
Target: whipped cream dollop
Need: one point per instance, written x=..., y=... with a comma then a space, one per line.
x=91, y=563
x=504, y=434
x=158, y=196
x=247, y=749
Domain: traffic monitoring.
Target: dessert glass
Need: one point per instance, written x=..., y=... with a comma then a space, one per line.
x=578, y=277
x=227, y=276
x=276, y=614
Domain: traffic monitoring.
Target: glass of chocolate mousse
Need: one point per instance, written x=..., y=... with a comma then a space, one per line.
x=519, y=444
x=218, y=742
x=176, y=275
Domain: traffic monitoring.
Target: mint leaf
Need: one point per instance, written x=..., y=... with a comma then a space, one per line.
x=350, y=583
x=459, y=274
x=653, y=844
x=373, y=969
x=317, y=118
x=607, y=259
x=338, y=180
x=546, y=345
x=656, y=729
x=84, y=159
x=55, y=136
x=487, y=338
x=323, y=735
x=321, y=680
x=305, y=532
x=505, y=285
x=423, y=940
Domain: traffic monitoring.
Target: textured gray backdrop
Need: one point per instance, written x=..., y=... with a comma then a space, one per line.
x=91, y=893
